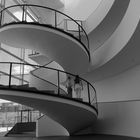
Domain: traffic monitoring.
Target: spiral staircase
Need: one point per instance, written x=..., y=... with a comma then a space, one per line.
x=44, y=88
x=63, y=44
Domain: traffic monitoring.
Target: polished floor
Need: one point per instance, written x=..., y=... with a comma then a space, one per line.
x=85, y=137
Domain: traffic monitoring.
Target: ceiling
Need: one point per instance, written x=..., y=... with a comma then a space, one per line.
x=56, y=4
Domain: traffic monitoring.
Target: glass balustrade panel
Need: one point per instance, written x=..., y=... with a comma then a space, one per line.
x=47, y=79
x=4, y=73
x=93, y=98
x=60, y=21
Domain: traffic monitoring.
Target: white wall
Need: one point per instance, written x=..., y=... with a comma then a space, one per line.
x=119, y=104
x=47, y=127
x=95, y=18
x=125, y=86
x=120, y=37
x=76, y=8
x=118, y=118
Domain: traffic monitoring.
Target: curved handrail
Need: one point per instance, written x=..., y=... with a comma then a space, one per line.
x=87, y=92
x=80, y=28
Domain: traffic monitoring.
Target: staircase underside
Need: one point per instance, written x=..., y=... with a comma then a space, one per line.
x=51, y=42
x=72, y=115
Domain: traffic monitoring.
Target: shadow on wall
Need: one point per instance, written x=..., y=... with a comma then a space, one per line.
x=117, y=118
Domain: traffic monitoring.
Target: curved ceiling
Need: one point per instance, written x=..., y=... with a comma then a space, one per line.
x=108, y=25
x=56, y=4
x=120, y=36
x=127, y=58
x=97, y=16
x=118, y=53
x=80, y=9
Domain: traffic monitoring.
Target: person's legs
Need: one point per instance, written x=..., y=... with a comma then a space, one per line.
x=76, y=92
x=79, y=93
x=70, y=92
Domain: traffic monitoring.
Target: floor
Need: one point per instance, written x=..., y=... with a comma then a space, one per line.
x=85, y=137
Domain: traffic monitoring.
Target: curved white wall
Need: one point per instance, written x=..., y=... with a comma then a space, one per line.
x=118, y=118
x=125, y=86
x=120, y=37
x=48, y=127
x=108, y=25
x=94, y=19
x=76, y=8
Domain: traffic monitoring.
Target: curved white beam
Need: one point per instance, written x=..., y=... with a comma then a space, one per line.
x=120, y=37
x=108, y=25
x=98, y=15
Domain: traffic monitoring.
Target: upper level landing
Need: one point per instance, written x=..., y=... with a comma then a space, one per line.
x=57, y=35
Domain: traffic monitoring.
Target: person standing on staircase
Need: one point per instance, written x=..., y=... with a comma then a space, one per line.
x=78, y=86
x=69, y=85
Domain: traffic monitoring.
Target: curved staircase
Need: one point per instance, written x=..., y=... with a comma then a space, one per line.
x=62, y=39
x=52, y=98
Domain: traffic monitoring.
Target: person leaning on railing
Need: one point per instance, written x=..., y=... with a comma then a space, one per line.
x=78, y=87
x=69, y=85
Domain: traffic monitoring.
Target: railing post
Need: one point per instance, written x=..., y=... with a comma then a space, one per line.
x=39, y=114
x=23, y=13
x=96, y=100
x=28, y=115
x=10, y=74
x=1, y=18
x=88, y=93
x=55, y=19
x=21, y=117
x=79, y=33
x=58, y=83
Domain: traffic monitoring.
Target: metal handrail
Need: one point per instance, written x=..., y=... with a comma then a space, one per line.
x=80, y=28
x=89, y=102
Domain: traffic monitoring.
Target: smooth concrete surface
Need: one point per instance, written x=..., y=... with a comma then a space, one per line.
x=47, y=127
x=89, y=6
x=84, y=137
x=40, y=59
x=126, y=59
x=95, y=18
x=99, y=35
x=59, y=109
x=56, y=4
x=120, y=36
x=57, y=45
x=124, y=86
x=117, y=118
